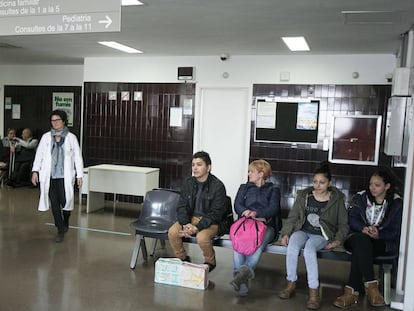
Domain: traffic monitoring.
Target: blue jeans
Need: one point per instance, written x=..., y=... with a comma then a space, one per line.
x=252, y=260
x=310, y=243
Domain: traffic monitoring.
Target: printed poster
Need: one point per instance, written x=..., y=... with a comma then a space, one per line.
x=307, y=117
x=65, y=102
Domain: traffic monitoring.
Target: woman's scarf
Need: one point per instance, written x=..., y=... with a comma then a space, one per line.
x=57, y=152
x=63, y=132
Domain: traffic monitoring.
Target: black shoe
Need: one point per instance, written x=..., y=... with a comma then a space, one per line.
x=59, y=238
x=211, y=267
x=187, y=259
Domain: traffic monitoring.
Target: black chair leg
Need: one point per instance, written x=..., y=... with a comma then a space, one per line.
x=154, y=246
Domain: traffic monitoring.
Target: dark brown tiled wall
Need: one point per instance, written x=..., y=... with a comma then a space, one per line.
x=293, y=164
x=138, y=132
x=36, y=105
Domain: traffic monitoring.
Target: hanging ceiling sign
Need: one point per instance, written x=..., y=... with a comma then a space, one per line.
x=34, y=17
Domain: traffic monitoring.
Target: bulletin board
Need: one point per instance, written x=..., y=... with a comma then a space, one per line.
x=286, y=120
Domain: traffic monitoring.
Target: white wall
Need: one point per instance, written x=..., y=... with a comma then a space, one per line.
x=244, y=70
x=71, y=75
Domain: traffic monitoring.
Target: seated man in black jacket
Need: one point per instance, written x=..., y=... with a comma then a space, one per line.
x=201, y=209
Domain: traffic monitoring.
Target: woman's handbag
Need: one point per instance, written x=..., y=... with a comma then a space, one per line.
x=247, y=235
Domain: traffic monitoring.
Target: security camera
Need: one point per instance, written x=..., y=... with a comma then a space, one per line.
x=224, y=57
x=388, y=77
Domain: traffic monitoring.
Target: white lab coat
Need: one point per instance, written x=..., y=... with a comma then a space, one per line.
x=73, y=168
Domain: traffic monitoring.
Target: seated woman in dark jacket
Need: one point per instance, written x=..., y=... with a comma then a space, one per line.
x=260, y=200
x=201, y=209
x=375, y=217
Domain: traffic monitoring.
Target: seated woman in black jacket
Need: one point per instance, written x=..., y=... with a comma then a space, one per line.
x=375, y=217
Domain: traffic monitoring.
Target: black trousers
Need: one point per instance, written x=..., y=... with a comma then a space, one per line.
x=57, y=202
x=364, y=249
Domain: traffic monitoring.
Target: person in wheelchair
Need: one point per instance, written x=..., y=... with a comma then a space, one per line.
x=201, y=210
x=24, y=151
x=10, y=138
x=6, y=142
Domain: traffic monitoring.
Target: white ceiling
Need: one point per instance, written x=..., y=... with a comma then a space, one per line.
x=237, y=27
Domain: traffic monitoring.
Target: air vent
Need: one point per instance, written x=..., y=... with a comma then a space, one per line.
x=8, y=46
x=372, y=17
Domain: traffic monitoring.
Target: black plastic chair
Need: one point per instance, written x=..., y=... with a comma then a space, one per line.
x=159, y=212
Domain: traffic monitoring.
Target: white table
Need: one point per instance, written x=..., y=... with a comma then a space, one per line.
x=118, y=179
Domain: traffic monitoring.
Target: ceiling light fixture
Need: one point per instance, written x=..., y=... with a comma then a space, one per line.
x=296, y=43
x=119, y=46
x=131, y=2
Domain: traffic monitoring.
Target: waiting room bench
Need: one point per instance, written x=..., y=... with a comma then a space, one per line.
x=385, y=262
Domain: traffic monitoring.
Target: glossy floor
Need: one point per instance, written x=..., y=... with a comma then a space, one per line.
x=90, y=269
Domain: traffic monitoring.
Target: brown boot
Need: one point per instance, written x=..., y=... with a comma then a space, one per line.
x=289, y=291
x=374, y=296
x=314, y=301
x=349, y=298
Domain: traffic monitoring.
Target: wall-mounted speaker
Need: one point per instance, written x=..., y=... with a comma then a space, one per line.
x=185, y=73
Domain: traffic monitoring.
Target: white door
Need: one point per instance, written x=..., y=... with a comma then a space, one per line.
x=222, y=128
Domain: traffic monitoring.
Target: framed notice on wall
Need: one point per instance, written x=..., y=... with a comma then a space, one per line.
x=355, y=139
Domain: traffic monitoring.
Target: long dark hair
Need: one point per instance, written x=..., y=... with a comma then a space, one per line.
x=387, y=179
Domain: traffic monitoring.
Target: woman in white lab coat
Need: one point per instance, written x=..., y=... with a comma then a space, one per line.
x=57, y=163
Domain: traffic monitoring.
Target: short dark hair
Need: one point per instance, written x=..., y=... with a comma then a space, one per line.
x=203, y=156
x=323, y=169
x=62, y=114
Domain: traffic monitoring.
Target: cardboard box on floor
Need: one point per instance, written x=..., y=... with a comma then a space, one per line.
x=173, y=271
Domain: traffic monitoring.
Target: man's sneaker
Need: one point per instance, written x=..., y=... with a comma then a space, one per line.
x=211, y=267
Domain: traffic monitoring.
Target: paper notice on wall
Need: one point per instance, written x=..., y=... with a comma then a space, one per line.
x=137, y=95
x=16, y=111
x=266, y=115
x=188, y=106
x=176, y=116
x=65, y=102
x=8, y=103
x=307, y=116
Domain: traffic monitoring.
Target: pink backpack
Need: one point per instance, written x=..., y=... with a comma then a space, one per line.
x=247, y=234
